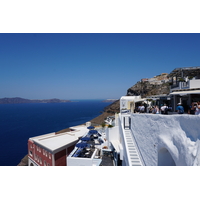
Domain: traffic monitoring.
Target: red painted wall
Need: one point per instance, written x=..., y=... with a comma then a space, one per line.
x=31, y=152
x=60, y=158
x=44, y=158
x=39, y=155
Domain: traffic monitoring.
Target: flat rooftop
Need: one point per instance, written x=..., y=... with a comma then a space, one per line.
x=53, y=141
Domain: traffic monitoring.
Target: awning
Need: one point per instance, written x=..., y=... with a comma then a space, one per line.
x=139, y=100
x=186, y=92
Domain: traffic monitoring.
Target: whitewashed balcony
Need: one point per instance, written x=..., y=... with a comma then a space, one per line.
x=190, y=84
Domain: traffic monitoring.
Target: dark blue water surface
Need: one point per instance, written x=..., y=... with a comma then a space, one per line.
x=19, y=122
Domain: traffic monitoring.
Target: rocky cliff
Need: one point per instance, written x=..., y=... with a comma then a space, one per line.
x=108, y=111
x=151, y=86
x=146, y=89
x=24, y=161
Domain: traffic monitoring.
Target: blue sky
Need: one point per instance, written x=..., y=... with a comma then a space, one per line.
x=88, y=65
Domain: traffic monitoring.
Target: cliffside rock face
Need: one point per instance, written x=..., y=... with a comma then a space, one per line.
x=113, y=108
x=146, y=89
x=108, y=111
x=24, y=161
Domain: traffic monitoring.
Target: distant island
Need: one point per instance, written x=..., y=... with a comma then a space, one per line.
x=109, y=100
x=17, y=100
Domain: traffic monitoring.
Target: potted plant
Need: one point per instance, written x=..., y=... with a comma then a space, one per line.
x=103, y=125
x=181, y=80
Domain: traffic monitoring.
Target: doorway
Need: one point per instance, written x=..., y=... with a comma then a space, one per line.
x=165, y=158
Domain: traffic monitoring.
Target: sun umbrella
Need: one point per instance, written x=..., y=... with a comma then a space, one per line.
x=85, y=139
x=93, y=131
x=81, y=145
x=90, y=127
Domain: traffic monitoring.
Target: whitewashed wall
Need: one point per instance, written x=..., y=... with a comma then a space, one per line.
x=178, y=134
x=194, y=83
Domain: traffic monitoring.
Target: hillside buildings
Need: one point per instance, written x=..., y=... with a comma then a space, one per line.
x=157, y=80
x=185, y=86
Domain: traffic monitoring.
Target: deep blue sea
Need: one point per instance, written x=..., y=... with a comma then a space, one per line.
x=19, y=122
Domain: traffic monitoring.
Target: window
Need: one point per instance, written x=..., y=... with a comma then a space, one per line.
x=45, y=164
x=30, y=153
x=49, y=155
x=36, y=157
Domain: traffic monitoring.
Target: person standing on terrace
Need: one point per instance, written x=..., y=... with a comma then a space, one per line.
x=164, y=109
x=157, y=111
x=197, y=112
x=192, y=109
x=180, y=108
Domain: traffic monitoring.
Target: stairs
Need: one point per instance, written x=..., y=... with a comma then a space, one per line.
x=132, y=150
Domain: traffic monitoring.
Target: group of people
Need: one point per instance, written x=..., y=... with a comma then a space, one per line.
x=164, y=109
x=153, y=109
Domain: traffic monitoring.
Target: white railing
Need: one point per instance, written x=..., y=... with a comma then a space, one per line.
x=126, y=156
x=133, y=156
x=184, y=85
x=191, y=84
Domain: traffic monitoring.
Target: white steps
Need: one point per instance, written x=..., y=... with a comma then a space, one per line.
x=132, y=150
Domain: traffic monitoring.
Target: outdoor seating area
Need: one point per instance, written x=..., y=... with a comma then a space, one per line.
x=84, y=152
x=86, y=145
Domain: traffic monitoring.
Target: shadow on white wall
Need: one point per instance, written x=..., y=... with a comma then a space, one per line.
x=165, y=158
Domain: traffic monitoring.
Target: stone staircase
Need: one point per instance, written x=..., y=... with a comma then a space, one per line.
x=132, y=150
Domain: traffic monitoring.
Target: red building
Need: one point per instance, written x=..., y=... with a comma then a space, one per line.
x=52, y=149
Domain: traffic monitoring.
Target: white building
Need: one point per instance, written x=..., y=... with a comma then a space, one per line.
x=185, y=86
x=52, y=149
x=92, y=154
x=148, y=139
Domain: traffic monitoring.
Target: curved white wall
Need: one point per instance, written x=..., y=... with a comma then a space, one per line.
x=165, y=158
x=178, y=134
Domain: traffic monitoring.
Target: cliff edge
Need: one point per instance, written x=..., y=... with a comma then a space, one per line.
x=24, y=161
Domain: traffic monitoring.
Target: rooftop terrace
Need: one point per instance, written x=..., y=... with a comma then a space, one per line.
x=89, y=151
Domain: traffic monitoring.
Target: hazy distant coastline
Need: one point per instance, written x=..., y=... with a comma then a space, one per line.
x=17, y=100
x=110, y=100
